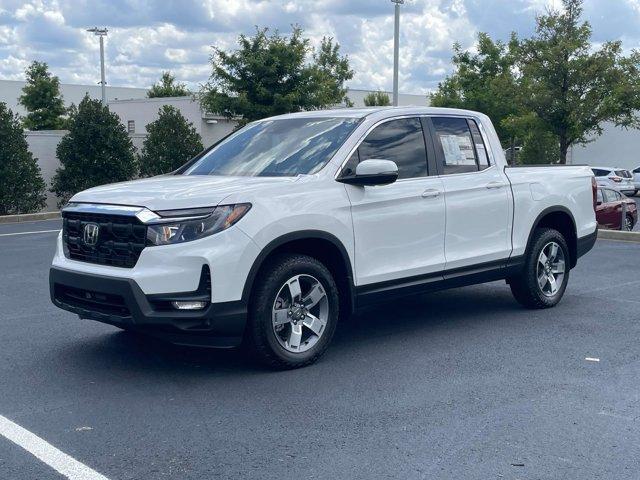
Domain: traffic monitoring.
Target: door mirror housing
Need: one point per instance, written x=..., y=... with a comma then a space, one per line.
x=372, y=172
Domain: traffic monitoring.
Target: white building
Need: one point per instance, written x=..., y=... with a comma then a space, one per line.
x=11, y=90
x=616, y=147
x=136, y=114
x=136, y=111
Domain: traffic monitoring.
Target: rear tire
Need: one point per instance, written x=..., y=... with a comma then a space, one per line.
x=293, y=312
x=543, y=279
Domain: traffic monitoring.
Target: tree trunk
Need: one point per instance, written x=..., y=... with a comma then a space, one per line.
x=564, y=148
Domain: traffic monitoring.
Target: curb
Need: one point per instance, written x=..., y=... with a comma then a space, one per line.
x=619, y=235
x=29, y=217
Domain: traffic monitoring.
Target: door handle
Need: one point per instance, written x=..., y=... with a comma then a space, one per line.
x=431, y=193
x=492, y=185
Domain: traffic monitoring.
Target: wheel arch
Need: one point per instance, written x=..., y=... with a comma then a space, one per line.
x=559, y=218
x=320, y=245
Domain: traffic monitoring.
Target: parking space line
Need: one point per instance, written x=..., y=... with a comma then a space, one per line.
x=28, y=233
x=47, y=453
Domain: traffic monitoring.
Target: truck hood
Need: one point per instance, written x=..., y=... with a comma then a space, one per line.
x=172, y=192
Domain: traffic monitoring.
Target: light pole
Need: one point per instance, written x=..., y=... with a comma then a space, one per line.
x=396, y=50
x=101, y=32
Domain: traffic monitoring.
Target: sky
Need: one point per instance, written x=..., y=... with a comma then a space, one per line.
x=147, y=37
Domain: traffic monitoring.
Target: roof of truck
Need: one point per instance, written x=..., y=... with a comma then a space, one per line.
x=363, y=112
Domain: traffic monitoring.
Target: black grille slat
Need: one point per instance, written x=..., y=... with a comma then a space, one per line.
x=121, y=239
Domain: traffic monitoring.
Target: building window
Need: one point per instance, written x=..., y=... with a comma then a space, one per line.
x=131, y=126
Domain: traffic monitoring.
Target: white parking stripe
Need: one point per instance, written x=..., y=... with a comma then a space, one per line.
x=59, y=461
x=28, y=233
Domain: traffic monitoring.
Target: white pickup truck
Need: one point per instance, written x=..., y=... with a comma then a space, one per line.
x=271, y=235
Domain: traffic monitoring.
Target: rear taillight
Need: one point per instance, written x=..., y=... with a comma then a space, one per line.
x=616, y=179
x=594, y=189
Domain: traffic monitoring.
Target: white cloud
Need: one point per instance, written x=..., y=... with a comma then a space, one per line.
x=147, y=37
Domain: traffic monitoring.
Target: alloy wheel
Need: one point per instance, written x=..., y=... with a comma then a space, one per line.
x=628, y=224
x=300, y=313
x=550, y=269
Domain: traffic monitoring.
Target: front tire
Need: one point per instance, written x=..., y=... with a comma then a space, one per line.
x=543, y=279
x=293, y=312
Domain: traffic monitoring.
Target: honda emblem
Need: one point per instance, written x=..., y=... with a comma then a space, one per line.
x=90, y=234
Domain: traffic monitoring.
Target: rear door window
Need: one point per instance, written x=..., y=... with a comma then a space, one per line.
x=457, y=146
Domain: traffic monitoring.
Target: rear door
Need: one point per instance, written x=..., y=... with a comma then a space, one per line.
x=477, y=196
x=398, y=228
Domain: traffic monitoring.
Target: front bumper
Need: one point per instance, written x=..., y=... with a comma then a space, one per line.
x=121, y=302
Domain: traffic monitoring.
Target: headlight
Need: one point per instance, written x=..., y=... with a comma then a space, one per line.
x=188, y=229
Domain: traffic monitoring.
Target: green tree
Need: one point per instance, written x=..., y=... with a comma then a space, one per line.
x=170, y=143
x=41, y=98
x=22, y=189
x=168, y=87
x=572, y=87
x=271, y=74
x=538, y=145
x=484, y=81
x=97, y=150
x=377, y=99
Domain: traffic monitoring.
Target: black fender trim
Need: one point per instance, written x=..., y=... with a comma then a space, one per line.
x=586, y=243
x=292, y=236
x=544, y=213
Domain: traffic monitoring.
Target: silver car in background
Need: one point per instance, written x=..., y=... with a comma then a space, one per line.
x=617, y=179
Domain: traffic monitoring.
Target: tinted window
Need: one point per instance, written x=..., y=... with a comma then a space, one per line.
x=481, y=151
x=400, y=141
x=623, y=173
x=454, y=139
x=600, y=197
x=637, y=170
x=598, y=172
x=286, y=147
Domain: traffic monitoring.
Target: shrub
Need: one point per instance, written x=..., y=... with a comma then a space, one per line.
x=171, y=142
x=22, y=189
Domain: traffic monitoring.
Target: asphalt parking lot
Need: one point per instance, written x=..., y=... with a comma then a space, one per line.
x=463, y=384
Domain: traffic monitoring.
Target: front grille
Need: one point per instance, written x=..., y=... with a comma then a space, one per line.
x=81, y=299
x=119, y=242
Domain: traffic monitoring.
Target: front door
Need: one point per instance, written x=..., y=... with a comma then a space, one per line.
x=398, y=228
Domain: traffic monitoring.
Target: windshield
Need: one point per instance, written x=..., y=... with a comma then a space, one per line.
x=274, y=148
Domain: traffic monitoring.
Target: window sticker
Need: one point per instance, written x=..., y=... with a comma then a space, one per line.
x=458, y=150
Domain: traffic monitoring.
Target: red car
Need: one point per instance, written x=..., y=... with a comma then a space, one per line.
x=615, y=211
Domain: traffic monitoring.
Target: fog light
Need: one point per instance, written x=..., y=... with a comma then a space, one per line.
x=189, y=305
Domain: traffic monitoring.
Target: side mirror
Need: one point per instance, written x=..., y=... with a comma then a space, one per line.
x=373, y=172
x=598, y=202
